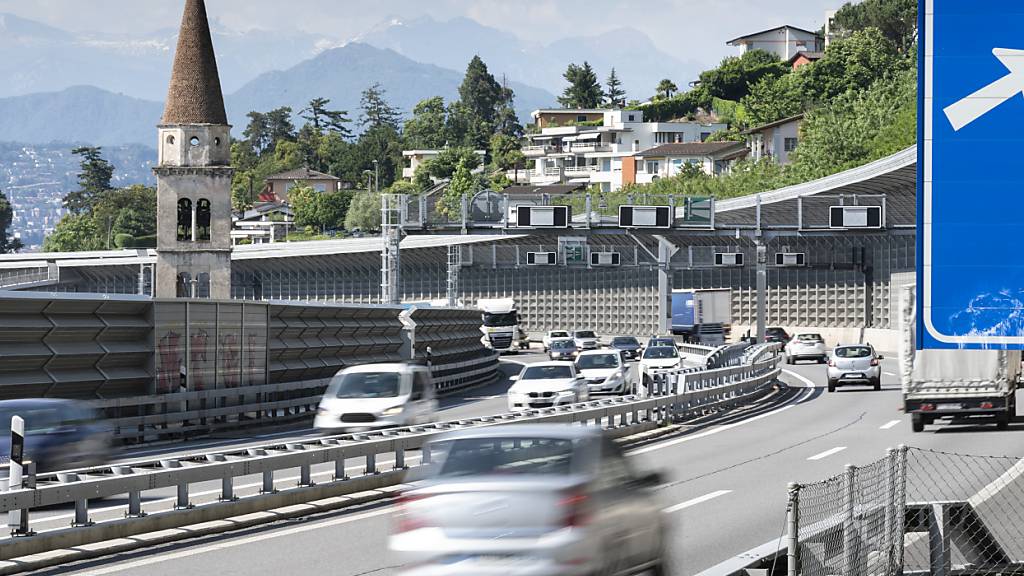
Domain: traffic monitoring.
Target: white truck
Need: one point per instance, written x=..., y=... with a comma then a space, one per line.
x=702, y=316
x=954, y=383
x=501, y=329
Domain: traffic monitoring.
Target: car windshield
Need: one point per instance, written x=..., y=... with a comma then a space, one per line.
x=625, y=341
x=505, y=456
x=661, y=342
x=658, y=352
x=585, y=334
x=559, y=335
x=810, y=338
x=853, y=352
x=504, y=319
x=365, y=385
x=594, y=361
x=546, y=372
x=563, y=345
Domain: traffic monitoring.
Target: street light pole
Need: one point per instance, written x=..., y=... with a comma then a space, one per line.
x=376, y=176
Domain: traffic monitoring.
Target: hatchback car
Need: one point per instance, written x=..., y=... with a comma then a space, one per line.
x=854, y=364
x=547, y=384
x=586, y=340
x=807, y=346
x=776, y=334
x=59, y=434
x=377, y=396
x=563, y=349
x=628, y=345
x=659, y=360
x=544, y=500
x=604, y=371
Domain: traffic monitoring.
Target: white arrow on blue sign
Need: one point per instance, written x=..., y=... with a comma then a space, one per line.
x=971, y=174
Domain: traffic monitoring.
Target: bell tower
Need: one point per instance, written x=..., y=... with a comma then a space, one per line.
x=194, y=172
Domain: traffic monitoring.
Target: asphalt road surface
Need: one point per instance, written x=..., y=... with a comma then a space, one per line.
x=725, y=488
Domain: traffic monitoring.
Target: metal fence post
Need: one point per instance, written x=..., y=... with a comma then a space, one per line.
x=849, y=528
x=891, y=539
x=901, y=506
x=793, y=530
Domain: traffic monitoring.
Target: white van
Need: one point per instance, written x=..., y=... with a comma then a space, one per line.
x=377, y=396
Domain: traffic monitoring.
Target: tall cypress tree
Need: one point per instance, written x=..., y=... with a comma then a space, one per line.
x=583, y=90
x=614, y=95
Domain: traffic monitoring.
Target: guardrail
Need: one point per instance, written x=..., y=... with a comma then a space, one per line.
x=678, y=396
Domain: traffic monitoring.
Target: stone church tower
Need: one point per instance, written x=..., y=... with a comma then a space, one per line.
x=193, y=172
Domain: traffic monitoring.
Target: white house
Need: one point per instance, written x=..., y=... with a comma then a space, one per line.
x=783, y=41
x=667, y=160
x=775, y=140
x=599, y=154
x=414, y=158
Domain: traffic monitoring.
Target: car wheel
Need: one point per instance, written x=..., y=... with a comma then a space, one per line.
x=1003, y=420
x=917, y=423
x=877, y=383
x=831, y=385
x=822, y=360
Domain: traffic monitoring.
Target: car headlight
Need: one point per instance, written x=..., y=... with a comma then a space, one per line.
x=392, y=411
x=568, y=392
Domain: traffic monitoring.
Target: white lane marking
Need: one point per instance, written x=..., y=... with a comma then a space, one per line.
x=889, y=373
x=238, y=542
x=888, y=424
x=828, y=453
x=669, y=443
x=997, y=485
x=409, y=461
x=695, y=501
x=807, y=381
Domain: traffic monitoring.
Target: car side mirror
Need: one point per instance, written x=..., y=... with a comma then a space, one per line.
x=880, y=357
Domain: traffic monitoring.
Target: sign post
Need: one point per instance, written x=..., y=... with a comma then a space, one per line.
x=970, y=268
x=17, y=519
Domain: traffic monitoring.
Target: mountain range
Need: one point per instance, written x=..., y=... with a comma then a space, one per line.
x=106, y=89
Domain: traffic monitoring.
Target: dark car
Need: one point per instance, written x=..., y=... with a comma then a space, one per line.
x=628, y=345
x=776, y=334
x=563, y=349
x=59, y=434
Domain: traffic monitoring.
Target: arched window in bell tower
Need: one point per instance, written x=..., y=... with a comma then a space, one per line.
x=203, y=220
x=184, y=220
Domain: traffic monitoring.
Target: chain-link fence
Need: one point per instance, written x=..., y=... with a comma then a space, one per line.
x=913, y=512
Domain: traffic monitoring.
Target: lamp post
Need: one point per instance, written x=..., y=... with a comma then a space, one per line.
x=369, y=179
x=376, y=176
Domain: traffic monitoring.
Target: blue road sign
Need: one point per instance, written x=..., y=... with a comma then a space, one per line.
x=970, y=272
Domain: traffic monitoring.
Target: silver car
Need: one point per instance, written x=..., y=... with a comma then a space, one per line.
x=539, y=500
x=586, y=340
x=854, y=364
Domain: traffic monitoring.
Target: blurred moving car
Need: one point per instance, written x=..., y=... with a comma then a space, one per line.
x=807, y=346
x=628, y=345
x=659, y=360
x=586, y=340
x=604, y=371
x=553, y=335
x=59, y=434
x=660, y=341
x=855, y=364
x=563, y=349
x=776, y=334
x=544, y=500
x=377, y=396
x=546, y=384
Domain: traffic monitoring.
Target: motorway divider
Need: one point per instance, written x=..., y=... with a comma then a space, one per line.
x=678, y=396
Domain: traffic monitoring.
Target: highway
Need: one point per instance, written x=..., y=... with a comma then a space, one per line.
x=725, y=487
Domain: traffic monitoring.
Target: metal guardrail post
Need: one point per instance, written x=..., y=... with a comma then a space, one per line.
x=267, y=486
x=371, y=464
x=849, y=527
x=134, y=497
x=181, y=502
x=793, y=531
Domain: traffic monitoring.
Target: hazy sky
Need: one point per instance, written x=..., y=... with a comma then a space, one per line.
x=691, y=29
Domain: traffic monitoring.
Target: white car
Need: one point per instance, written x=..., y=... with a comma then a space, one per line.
x=586, y=340
x=854, y=364
x=604, y=371
x=659, y=360
x=546, y=384
x=554, y=335
x=807, y=346
x=377, y=396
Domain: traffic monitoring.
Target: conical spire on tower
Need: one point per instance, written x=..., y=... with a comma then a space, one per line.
x=194, y=96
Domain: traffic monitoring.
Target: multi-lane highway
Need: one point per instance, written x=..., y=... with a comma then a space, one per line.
x=725, y=487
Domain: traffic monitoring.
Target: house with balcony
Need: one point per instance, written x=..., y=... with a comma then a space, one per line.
x=278, y=185
x=783, y=41
x=775, y=140
x=668, y=160
x=592, y=154
x=415, y=158
x=555, y=117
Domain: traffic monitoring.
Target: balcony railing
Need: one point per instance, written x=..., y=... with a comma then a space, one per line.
x=590, y=147
x=539, y=150
x=582, y=169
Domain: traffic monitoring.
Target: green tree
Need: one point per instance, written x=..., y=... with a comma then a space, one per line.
x=463, y=184
x=74, y=233
x=444, y=165
x=320, y=210
x=506, y=121
x=896, y=19
x=481, y=95
x=8, y=244
x=93, y=180
x=257, y=133
x=426, y=129
x=506, y=152
x=614, y=94
x=324, y=119
x=403, y=187
x=774, y=98
x=130, y=221
x=377, y=111
x=851, y=64
x=666, y=87
x=583, y=90
x=364, y=212
x=279, y=126
x=732, y=78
